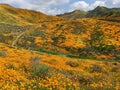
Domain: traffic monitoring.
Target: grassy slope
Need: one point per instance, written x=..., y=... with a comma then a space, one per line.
x=11, y=15
x=71, y=36
x=29, y=69
x=19, y=70
x=66, y=36
x=60, y=35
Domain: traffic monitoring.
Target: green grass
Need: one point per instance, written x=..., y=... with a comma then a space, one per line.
x=49, y=52
x=79, y=57
x=74, y=56
x=86, y=58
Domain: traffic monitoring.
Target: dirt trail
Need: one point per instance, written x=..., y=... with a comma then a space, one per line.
x=17, y=38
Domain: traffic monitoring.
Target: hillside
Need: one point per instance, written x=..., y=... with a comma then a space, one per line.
x=74, y=15
x=11, y=15
x=42, y=52
x=100, y=12
x=82, y=37
x=25, y=69
x=105, y=13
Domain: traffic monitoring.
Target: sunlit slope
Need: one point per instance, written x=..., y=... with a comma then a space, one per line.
x=28, y=69
x=11, y=15
x=80, y=37
x=86, y=37
x=83, y=37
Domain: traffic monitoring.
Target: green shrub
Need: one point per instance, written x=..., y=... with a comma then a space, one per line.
x=40, y=70
x=85, y=80
x=2, y=53
x=10, y=66
x=115, y=69
x=72, y=63
x=43, y=69
x=96, y=68
x=117, y=57
x=36, y=58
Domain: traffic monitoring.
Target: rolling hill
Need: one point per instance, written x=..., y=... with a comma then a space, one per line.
x=26, y=69
x=42, y=52
x=100, y=12
x=83, y=37
x=73, y=15
x=105, y=13
x=11, y=15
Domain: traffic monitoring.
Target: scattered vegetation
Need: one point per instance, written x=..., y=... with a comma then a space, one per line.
x=57, y=54
x=22, y=69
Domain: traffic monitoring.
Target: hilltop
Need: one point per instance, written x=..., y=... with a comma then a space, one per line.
x=74, y=14
x=100, y=12
x=105, y=13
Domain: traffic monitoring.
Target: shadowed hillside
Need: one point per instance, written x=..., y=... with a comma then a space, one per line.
x=111, y=14
x=74, y=15
x=103, y=13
